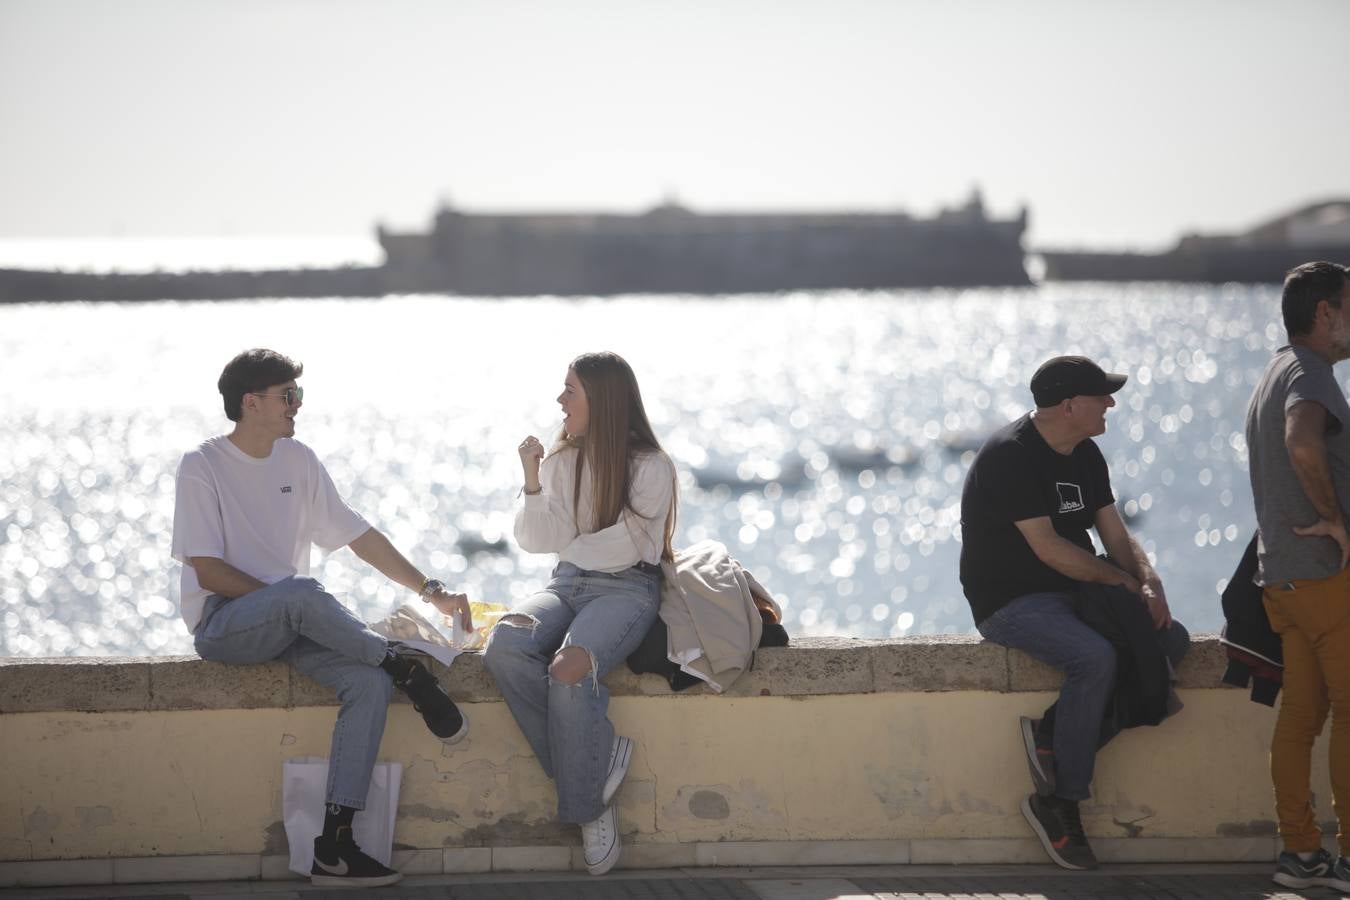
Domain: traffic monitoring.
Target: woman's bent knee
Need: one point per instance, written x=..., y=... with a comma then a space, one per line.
x=571, y=665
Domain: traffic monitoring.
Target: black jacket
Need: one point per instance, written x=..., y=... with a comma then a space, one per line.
x=1143, y=675
x=1255, y=655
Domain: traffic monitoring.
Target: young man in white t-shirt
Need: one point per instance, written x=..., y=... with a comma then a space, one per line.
x=249, y=506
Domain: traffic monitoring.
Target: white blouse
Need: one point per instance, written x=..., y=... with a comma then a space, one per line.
x=546, y=523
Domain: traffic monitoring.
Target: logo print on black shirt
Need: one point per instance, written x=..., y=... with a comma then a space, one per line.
x=1070, y=497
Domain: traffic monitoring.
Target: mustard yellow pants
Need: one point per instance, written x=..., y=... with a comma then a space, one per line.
x=1313, y=621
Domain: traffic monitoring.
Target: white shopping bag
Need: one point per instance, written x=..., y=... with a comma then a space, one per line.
x=304, y=780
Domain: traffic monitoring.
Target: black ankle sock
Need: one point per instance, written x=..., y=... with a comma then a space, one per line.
x=335, y=817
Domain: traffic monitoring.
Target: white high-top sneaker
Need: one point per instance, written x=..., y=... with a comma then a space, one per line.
x=620, y=755
x=600, y=842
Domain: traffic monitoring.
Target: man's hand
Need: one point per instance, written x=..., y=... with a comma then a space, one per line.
x=1334, y=530
x=453, y=605
x=1152, y=593
x=1130, y=583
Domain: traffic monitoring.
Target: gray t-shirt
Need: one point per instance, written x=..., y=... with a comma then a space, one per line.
x=1296, y=374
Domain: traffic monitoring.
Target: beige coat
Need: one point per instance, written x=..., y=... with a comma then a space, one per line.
x=707, y=603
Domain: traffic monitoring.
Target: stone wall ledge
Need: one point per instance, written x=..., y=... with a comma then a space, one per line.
x=811, y=667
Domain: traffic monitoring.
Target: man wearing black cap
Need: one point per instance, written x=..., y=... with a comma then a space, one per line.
x=1034, y=490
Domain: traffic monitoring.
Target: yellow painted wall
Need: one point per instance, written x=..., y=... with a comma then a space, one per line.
x=829, y=767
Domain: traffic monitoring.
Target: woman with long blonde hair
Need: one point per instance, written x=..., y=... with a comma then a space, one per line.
x=603, y=499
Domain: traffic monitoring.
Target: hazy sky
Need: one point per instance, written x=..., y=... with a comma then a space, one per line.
x=1117, y=123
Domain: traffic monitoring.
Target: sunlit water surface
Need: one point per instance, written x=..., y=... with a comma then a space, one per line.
x=823, y=436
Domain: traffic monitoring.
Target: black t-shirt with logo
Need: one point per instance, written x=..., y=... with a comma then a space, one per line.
x=1016, y=476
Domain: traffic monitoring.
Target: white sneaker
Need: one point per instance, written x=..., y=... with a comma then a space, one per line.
x=620, y=755
x=600, y=842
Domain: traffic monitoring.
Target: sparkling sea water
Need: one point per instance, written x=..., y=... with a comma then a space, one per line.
x=823, y=436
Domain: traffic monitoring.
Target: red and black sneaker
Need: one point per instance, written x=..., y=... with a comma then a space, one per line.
x=1056, y=822
x=338, y=862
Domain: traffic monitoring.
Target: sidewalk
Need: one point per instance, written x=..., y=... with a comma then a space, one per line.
x=1238, y=881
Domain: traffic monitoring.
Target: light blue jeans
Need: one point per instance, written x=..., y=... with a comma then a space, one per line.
x=566, y=724
x=298, y=621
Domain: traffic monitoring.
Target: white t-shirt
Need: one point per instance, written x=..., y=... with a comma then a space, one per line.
x=258, y=515
x=547, y=523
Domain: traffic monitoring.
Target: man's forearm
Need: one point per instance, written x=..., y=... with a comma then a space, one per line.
x=219, y=577
x=1072, y=561
x=1130, y=556
x=375, y=549
x=1313, y=469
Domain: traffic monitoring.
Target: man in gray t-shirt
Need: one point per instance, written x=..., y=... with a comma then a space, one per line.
x=1298, y=439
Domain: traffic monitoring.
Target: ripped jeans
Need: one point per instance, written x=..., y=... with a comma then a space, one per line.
x=607, y=615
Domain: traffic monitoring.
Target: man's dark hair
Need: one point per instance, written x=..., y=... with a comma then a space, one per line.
x=1304, y=287
x=252, y=372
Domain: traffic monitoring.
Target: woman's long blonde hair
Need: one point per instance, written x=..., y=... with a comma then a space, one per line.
x=618, y=429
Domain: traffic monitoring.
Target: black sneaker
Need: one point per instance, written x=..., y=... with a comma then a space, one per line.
x=1056, y=822
x=340, y=863
x=1292, y=872
x=430, y=699
x=1040, y=756
x=1339, y=877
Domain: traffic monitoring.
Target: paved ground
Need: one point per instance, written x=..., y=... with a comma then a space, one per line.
x=1117, y=882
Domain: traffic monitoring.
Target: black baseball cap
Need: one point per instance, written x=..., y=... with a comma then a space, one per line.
x=1063, y=377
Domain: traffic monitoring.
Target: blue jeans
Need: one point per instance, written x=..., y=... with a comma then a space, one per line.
x=298, y=621
x=1045, y=627
x=566, y=724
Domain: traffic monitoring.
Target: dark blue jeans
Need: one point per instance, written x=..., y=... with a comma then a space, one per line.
x=1045, y=627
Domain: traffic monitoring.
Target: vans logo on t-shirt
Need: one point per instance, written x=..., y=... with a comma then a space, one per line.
x=1070, y=497
x=286, y=489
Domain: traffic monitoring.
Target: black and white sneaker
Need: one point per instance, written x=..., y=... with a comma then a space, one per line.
x=1338, y=879
x=1292, y=872
x=620, y=755
x=1040, y=756
x=340, y=863
x=1056, y=822
x=440, y=713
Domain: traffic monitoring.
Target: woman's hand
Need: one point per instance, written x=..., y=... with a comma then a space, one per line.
x=531, y=454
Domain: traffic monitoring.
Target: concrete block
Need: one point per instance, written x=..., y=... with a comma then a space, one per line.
x=748, y=853
x=1186, y=850
x=418, y=862
x=49, y=872
x=467, y=679
x=186, y=682
x=277, y=868
x=975, y=851
x=531, y=859
x=226, y=867
x=465, y=860
x=812, y=666
x=305, y=691
x=1027, y=674
x=75, y=684
x=1204, y=664
x=657, y=856
x=940, y=663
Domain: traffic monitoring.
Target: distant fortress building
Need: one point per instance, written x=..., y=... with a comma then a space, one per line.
x=671, y=249
x=1264, y=253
